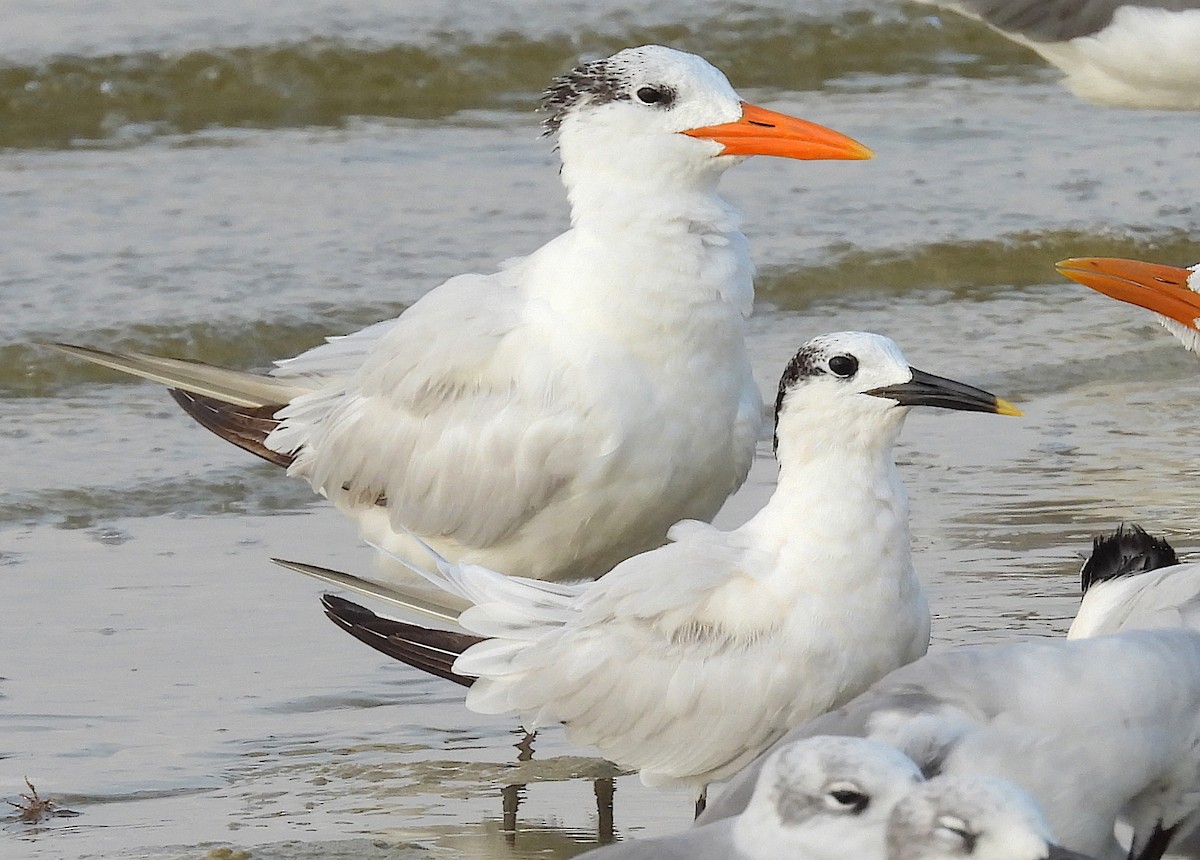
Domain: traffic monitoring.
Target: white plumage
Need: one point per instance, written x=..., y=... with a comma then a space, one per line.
x=818, y=799
x=976, y=817
x=686, y=661
x=837, y=798
x=1134, y=581
x=1169, y=596
x=559, y=415
x=1094, y=729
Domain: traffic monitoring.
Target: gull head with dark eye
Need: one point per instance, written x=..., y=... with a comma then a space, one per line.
x=957, y=832
x=837, y=782
x=658, y=95
x=637, y=90
x=971, y=817
x=843, y=366
x=847, y=798
x=833, y=370
x=856, y=375
x=652, y=110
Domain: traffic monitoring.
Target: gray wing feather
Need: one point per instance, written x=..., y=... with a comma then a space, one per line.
x=1111, y=711
x=391, y=594
x=233, y=386
x=1055, y=20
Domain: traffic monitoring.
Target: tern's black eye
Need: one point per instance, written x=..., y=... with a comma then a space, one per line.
x=844, y=366
x=660, y=95
x=848, y=800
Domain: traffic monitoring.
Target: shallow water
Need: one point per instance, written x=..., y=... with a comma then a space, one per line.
x=231, y=183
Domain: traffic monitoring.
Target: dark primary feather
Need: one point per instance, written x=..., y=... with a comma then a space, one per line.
x=432, y=651
x=1128, y=550
x=244, y=426
x=1058, y=20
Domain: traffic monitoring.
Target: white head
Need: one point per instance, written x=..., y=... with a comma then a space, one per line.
x=853, y=389
x=824, y=797
x=656, y=118
x=970, y=818
x=1171, y=292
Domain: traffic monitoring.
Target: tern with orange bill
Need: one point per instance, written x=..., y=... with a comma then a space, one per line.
x=558, y=416
x=1169, y=291
x=1134, y=579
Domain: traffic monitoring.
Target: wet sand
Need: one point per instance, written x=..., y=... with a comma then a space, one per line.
x=162, y=678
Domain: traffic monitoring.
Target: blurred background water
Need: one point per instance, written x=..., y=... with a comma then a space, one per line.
x=232, y=181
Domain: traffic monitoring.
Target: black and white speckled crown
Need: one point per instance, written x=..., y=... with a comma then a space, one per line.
x=595, y=82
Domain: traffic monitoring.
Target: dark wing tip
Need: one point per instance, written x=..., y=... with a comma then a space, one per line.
x=244, y=426
x=432, y=651
x=344, y=611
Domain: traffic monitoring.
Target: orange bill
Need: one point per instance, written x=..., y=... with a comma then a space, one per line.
x=1158, y=288
x=765, y=132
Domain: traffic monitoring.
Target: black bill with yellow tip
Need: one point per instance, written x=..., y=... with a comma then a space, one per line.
x=925, y=389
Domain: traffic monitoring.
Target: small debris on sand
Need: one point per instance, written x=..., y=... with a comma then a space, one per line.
x=35, y=807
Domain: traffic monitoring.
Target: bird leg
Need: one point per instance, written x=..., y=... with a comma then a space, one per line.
x=1156, y=846
x=604, y=788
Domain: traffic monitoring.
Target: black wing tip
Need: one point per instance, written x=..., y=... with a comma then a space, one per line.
x=343, y=611
x=1127, y=551
x=431, y=651
x=244, y=426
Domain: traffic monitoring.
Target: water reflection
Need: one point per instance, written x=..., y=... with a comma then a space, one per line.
x=604, y=788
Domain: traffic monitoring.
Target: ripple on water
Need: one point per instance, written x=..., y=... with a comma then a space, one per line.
x=233, y=194
x=61, y=100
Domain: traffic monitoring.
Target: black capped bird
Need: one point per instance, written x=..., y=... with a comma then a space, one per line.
x=686, y=661
x=1134, y=580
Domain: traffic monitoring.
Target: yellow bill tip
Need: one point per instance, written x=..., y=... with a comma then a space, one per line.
x=1003, y=407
